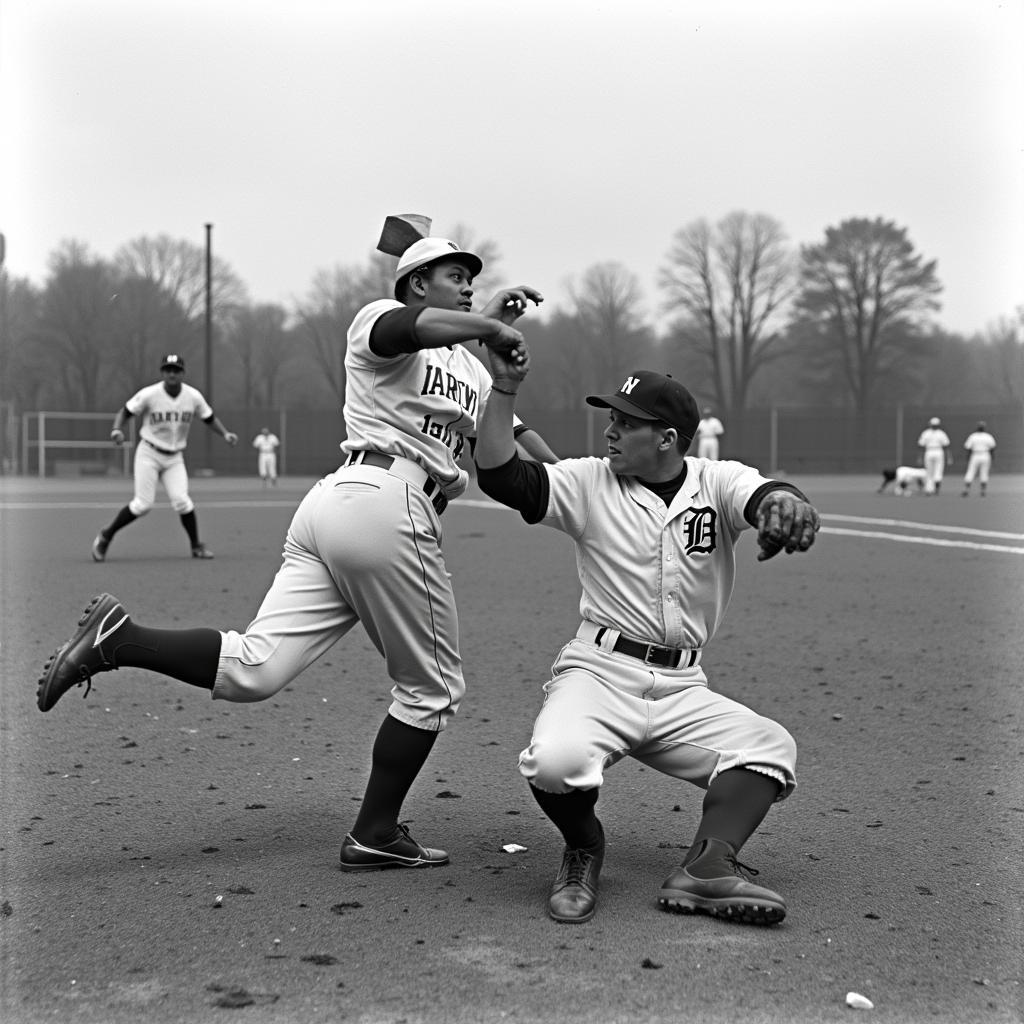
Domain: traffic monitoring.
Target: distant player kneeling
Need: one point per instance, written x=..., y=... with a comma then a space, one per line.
x=901, y=478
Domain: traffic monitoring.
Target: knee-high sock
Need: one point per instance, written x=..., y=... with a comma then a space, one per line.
x=734, y=805
x=121, y=520
x=399, y=752
x=191, y=655
x=188, y=520
x=573, y=815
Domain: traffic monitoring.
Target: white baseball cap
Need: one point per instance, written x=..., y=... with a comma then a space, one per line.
x=427, y=250
x=934, y=421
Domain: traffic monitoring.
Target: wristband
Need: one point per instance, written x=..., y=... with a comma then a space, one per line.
x=502, y=391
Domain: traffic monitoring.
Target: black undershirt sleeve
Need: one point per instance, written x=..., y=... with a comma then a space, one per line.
x=394, y=333
x=520, y=483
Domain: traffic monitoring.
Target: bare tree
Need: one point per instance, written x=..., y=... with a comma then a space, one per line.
x=869, y=293
x=1004, y=341
x=728, y=284
x=607, y=307
x=23, y=374
x=260, y=339
x=75, y=324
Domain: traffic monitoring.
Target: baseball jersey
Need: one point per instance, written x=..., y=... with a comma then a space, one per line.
x=656, y=573
x=981, y=442
x=906, y=475
x=265, y=443
x=420, y=405
x=933, y=439
x=165, y=419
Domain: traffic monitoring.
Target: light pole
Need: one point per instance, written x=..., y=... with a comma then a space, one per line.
x=209, y=337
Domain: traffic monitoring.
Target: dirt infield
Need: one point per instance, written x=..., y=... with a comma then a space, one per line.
x=170, y=859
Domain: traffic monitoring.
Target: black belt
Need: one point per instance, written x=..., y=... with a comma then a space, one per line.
x=431, y=488
x=650, y=654
x=157, y=448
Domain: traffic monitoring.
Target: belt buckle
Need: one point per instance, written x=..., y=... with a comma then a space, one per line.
x=651, y=648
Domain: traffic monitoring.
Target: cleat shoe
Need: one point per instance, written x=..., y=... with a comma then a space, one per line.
x=83, y=656
x=403, y=852
x=573, y=898
x=201, y=551
x=714, y=882
x=99, y=547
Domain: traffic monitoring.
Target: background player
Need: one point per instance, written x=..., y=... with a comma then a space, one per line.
x=934, y=443
x=266, y=444
x=363, y=546
x=980, y=443
x=709, y=430
x=903, y=478
x=165, y=412
x=655, y=533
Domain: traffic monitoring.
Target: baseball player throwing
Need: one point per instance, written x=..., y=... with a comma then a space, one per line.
x=165, y=412
x=934, y=443
x=980, y=444
x=266, y=444
x=363, y=546
x=655, y=534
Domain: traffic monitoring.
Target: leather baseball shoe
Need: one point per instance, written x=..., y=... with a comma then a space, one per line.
x=201, y=551
x=85, y=654
x=403, y=852
x=713, y=882
x=99, y=547
x=573, y=898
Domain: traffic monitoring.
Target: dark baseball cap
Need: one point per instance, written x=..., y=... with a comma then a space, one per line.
x=646, y=395
x=173, y=362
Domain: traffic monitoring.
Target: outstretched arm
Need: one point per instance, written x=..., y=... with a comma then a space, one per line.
x=785, y=522
x=218, y=428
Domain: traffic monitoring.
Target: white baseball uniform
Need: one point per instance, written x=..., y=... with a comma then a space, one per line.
x=266, y=461
x=654, y=575
x=709, y=429
x=908, y=475
x=980, y=444
x=164, y=422
x=365, y=543
x=934, y=441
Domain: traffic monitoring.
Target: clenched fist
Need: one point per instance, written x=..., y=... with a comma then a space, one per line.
x=785, y=521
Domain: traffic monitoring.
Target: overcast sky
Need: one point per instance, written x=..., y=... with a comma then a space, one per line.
x=571, y=132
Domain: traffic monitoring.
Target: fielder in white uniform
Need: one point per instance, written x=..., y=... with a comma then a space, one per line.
x=165, y=412
x=709, y=430
x=934, y=443
x=980, y=444
x=363, y=546
x=903, y=478
x=266, y=444
x=655, y=534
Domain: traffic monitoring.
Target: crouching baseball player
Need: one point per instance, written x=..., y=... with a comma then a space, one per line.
x=903, y=478
x=363, y=546
x=655, y=533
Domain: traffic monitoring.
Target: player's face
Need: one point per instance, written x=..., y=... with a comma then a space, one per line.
x=449, y=285
x=632, y=445
x=172, y=376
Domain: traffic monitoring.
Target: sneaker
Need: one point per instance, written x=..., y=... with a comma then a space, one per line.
x=99, y=547
x=83, y=656
x=715, y=882
x=201, y=551
x=403, y=852
x=573, y=898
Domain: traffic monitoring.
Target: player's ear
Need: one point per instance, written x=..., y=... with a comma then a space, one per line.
x=418, y=283
x=669, y=437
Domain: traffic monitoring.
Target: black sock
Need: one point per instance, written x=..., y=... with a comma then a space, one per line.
x=734, y=805
x=399, y=752
x=188, y=520
x=121, y=520
x=191, y=655
x=573, y=815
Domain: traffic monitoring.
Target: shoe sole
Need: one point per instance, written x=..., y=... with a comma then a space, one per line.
x=736, y=909
x=51, y=665
x=385, y=865
x=572, y=920
x=97, y=554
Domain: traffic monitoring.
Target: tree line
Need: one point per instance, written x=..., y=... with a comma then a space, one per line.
x=747, y=321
